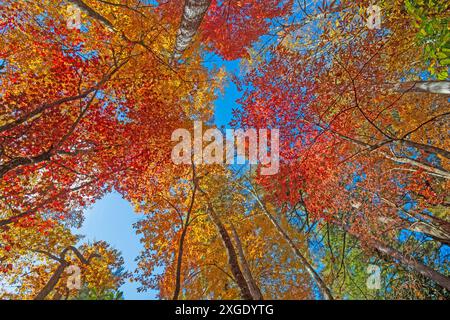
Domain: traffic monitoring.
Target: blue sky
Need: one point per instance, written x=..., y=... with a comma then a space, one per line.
x=111, y=219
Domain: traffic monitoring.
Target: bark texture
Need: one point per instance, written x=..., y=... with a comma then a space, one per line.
x=253, y=286
x=193, y=13
x=437, y=87
x=232, y=256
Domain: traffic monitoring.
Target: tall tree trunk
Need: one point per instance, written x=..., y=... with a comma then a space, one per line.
x=193, y=13
x=431, y=230
x=92, y=13
x=405, y=260
x=253, y=286
x=427, y=148
x=185, y=226
x=51, y=284
x=232, y=257
x=433, y=227
x=437, y=87
x=412, y=263
x=179, y=262
x=438, y=222
x=320, y=283
x=63, y=264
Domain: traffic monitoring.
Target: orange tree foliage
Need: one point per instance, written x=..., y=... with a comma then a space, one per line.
x=205, y=267
x=79, y=110
x=83, y=111
x=31, y=255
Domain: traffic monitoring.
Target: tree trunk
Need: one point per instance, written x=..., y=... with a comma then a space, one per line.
x=63, y=264
x=185, y=226
x=437, y=87
x=429, y=229
x=406, y=261
x=232, y=257
x=320, y=283
x=431, y=226
x=412, y=263
x=435, y=221
x=179, y=262
x=427, y=148
x=253, y=286
x=92, y=13
x=51, y=284
x=436, y=232
x=193, y=13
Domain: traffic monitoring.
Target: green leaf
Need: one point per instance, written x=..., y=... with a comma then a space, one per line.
x=443, y=75
x=441, y=55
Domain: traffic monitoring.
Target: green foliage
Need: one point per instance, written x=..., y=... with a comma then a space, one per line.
x=94, y=294
x=346, y=269
x=432, y=20
x=346, y=266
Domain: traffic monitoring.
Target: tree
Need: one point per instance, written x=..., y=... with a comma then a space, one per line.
x=351, y=142
x=38, y=255
x=227, y=28
x=98, y=96
x=89, y=100
x=231, y=251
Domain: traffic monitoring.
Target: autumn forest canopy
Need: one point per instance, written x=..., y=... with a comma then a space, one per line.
x=357, y=91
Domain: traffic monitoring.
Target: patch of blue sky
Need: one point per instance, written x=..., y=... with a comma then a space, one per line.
x=111, y=219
